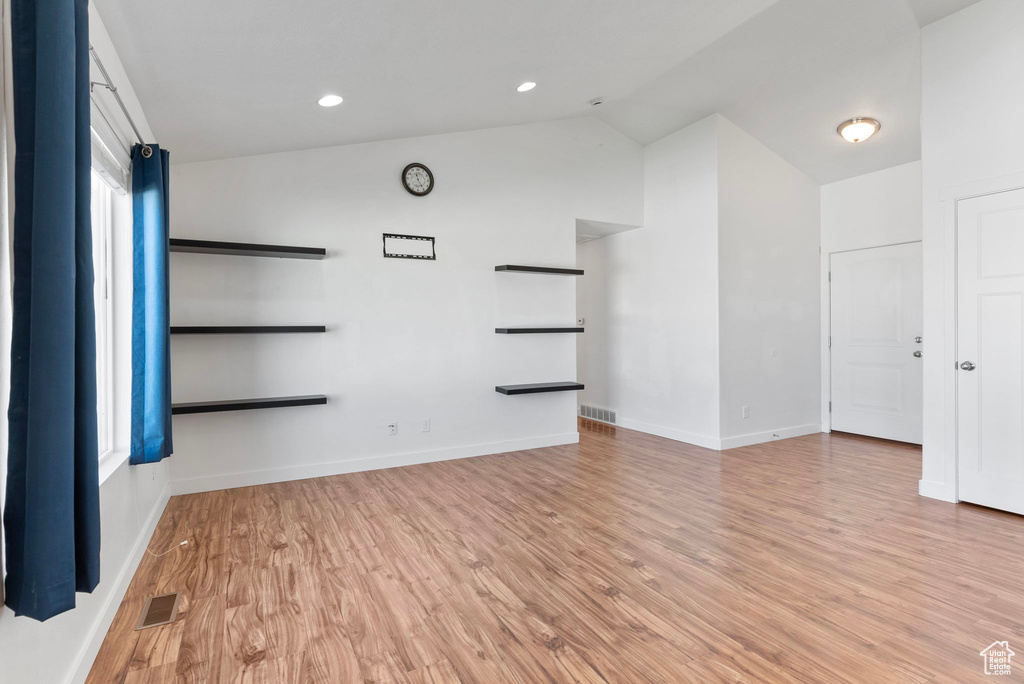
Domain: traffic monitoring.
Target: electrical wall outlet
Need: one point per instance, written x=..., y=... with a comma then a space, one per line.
x=426, y=425
x=393, y=428
x=746, y=411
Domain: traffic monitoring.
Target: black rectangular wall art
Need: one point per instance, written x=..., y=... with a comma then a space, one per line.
x=409, y=247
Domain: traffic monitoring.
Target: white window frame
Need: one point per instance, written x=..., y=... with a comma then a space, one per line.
x=102, y=248
x=112, y=260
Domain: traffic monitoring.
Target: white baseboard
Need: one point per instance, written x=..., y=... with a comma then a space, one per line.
x=83, y=662
x=770, y=436
x=670, y=433
x=303, y=472
x=714, y=442
x=936, y=490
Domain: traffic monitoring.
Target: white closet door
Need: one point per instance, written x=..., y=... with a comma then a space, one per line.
x=990, y=347
x=877, y=373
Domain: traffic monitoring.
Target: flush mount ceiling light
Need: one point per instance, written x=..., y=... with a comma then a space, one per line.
x=858, y=129
x=330, y=101
x=529, y=85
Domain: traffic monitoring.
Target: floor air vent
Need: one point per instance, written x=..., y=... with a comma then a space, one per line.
x=593, y=413
x=159, y=610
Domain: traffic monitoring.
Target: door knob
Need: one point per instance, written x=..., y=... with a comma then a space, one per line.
x=968, y=366
x=918, y=355
x=918, y=339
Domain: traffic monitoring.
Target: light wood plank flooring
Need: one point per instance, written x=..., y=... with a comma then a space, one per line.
x=627, y=558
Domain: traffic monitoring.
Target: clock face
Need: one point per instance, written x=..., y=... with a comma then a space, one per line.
x=417, y=179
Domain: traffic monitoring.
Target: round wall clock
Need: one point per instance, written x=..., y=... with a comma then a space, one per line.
x=417, y=179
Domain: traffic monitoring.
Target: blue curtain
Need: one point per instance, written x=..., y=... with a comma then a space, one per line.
x=51, y=519
x=151, y=343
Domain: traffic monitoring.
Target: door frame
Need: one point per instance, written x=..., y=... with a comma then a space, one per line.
x=826, y=324
x=950, y=198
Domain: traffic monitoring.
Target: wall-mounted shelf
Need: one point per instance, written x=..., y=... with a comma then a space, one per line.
x=244, y=329
x=246, y=249
x=512, y=268
x=538, y=387
x=531, y=331
x=246, y=404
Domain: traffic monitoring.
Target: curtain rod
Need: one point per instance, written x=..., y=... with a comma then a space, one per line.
x=108, y=84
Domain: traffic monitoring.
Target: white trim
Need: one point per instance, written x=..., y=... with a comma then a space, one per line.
x=714, y=442
x=937, y=490
x=107, y=166
x=87, y=654
x=826, y=348
x=950, y=252
x=866, y=248
x=769, y=436
x=988, y=186
x=101, y=210
x=303, y=472
x=670, y=433
x=117, y=149
x=110, y=462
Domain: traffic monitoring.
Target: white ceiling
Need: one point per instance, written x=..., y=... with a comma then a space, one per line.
x=232, y=78
x=789, y=76
x=927, y=11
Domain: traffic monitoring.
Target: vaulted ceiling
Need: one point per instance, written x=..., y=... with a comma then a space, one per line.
x=233, y=78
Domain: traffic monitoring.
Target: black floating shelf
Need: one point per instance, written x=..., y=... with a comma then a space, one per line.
x=512, y=268
x=530, y=331
x=244, y=329
x=246, y=249
x=536, y=388
x=246, y=404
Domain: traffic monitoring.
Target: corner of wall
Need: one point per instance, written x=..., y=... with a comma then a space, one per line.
x=97, y=633
x=769, y=303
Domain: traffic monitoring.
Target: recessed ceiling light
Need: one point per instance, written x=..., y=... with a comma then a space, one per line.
x=858, y=129
x=329, y=101
x=529, y=85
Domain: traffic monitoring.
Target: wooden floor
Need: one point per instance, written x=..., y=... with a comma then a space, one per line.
x=627, y=558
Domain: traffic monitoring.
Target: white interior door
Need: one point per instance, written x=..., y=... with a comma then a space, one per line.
x=877, y=373
x=990, y=347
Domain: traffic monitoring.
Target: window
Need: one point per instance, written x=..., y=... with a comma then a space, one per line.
x=112, y=262
x=103, y=198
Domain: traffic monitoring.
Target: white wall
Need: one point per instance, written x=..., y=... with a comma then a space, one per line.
x=131, y=501
x=683, y=313
x=769, y=292
x=62, y=648
x=406, y=340
x=972, y=101
x=873, y=210
x=651, y=298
